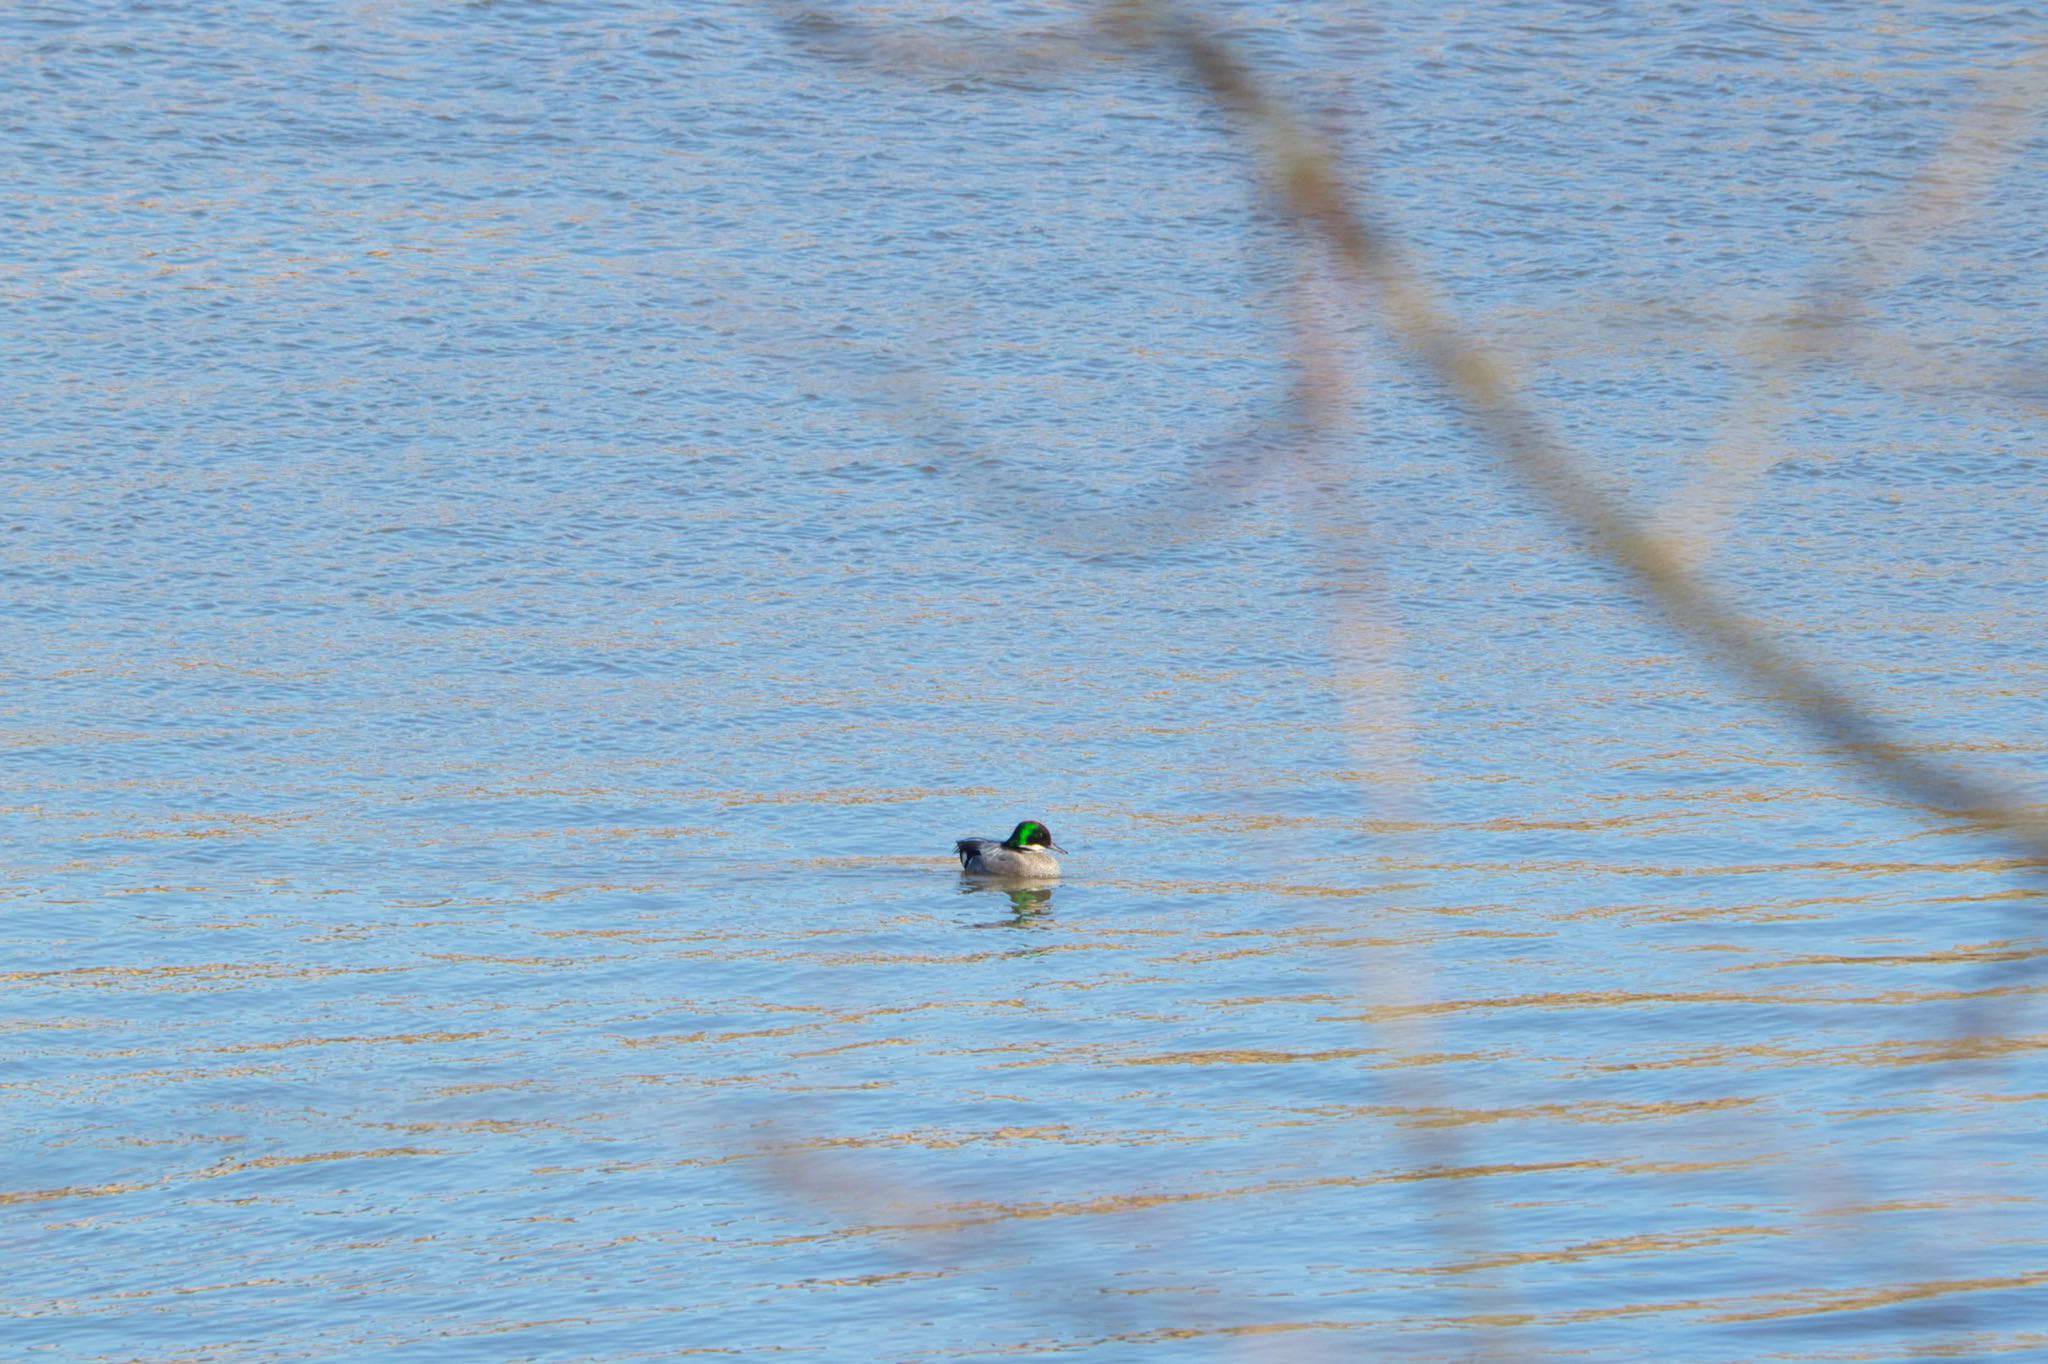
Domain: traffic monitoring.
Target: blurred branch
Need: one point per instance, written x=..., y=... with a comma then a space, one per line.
x=1306, y=182
x=1947, y=191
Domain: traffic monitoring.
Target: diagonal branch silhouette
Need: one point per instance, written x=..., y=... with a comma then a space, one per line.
x=1311, y=192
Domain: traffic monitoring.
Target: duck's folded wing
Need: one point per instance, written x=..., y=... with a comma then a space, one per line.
x=973, y=847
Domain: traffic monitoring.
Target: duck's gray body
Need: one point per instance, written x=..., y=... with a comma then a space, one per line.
x=990, y=857
x=1026, y=853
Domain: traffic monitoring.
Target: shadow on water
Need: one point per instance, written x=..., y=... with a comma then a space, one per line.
x=1030, y=903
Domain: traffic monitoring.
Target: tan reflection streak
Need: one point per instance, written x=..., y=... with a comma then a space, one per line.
x=618, y=831
x=1983, y=866
x=48, y=1025
x=1694, y=1167
x=1385, y=1060
x=1244, y=1057
x=1226, y=822
x=188, y=1290
x=281, y=1162
x=1845, y=1300
x=212, y=1172
x=1629, y=999
x=1612, y=824
x=497, y=959
x=1567, y=999
x=491, y=1125
x=1957, y=956
x=73, y=1191
x=1279, y=888
x=892, y=1010
x=929, y=1141
x=106, y=976
x=1291, y=891
x=870, y=1280
x=1271, y=1328
x=975, y=1215
x=853, y=1046
x=685, y=1039
x=1648, y=1243
x=160, y=834
x=601, y=887
x=1283, y=943
x=1234, y=954
x=983, y=1214
x=1897, y=1053
x=952, y=959
x=856, y=795
x=1864, y=1299
x=1597, y=1111
x=398, y=1039
x=1414, y=1059
x=1790, y=911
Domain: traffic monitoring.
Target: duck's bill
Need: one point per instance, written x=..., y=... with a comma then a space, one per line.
x=1054, y=846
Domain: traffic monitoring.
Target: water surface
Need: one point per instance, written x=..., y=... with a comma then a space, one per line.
x=529, y=529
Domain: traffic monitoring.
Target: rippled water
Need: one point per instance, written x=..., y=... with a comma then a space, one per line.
x=528, y=529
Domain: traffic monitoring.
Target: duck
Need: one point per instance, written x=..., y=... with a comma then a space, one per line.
x=1023, y=853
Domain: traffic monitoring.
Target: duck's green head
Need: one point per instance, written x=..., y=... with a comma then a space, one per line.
x=1032, y=834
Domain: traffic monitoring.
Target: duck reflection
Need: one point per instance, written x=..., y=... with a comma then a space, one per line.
x=1030, y=906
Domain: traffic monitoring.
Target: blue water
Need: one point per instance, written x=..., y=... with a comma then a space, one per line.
x=527, y=530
